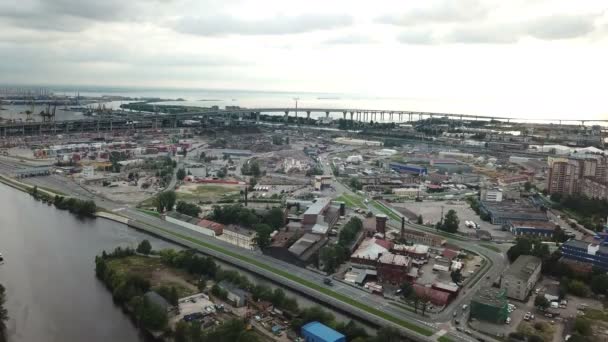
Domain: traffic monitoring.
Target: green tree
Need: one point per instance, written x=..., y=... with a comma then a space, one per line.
x=3, y=311
x=419, y=220
x=275, y=218
x=582, y=326
x=181, y=331
x=255, y=169
x=578, y=288
x=181, y=174
x=599, y=283
x=165, y=201
x=406, y=290
x=262, y=237
x=144, y=247
x=355, y=183
x=450, y=222
x=527, y=186
x=150, y=315
x=541, y=302
x=388, y=334
x=189, y=209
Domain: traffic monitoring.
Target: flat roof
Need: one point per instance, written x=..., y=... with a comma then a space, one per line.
x=523, y=267
x=533, y=224
x=491, y=296
x=394, y=259
x=323, y=331
x=317, y=207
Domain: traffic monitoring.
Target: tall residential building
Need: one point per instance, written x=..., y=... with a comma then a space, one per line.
x=585, y=174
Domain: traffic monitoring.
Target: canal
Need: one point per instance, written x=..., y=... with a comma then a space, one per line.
x=52, y=292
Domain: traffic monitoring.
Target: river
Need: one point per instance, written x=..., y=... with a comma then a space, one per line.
x=52, y=292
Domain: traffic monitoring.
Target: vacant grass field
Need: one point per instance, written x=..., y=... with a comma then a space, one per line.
x=152, y=269
x=207, y=192
x=352, y=201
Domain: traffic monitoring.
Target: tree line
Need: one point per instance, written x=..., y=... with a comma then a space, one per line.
x=3, y=313
x=591, y=211
x=331, y=257
x=128, y=289
x=74, y=205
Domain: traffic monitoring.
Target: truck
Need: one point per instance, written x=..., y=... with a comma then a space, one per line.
x=328, y=281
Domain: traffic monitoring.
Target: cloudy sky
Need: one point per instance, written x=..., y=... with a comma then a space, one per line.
x=546, y=55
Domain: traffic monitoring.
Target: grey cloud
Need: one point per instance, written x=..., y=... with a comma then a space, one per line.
x=350, y=39
x=561, y=27
x=226, y=25
x=416, y=37
x=481, y=35
x=544, y=28
x=443, y=12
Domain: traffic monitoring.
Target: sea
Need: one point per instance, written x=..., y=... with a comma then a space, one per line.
x=291, y=99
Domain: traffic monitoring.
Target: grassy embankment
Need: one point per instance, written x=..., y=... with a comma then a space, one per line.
x=352, y=201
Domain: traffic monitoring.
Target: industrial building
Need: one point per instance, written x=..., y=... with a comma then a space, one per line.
x=239, y=236
x=492, y=195
x=504, y=212
x=540, y=229
x=521, y=277
x=306, y=246
x=585, y=253
x=309, y=218
x=409, y=168
x=318, y=332
x=393, y=268
x=236, y=296
x=490, y=304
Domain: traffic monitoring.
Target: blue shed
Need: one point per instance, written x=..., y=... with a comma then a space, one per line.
x=317, y=332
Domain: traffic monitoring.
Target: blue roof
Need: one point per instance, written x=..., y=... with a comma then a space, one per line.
x=322, y=331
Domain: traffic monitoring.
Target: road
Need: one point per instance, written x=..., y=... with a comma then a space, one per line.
x=498, y=260
x=66, y=185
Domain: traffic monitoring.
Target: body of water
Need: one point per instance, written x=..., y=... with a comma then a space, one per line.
x=49, y=273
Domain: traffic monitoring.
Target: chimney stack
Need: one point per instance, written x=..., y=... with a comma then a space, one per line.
x=381, y=223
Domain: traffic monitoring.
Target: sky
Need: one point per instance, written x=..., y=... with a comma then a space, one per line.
x=526, y=56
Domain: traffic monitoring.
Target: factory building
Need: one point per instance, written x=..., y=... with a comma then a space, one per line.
x=409, y=168
x=521, y=277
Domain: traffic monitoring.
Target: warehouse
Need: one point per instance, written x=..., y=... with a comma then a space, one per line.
x=318, y=332
x=543, y=230
x=490, y=304
x=409, y=168
x=504, y=212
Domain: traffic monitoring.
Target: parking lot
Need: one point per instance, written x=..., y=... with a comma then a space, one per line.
x=431, y=213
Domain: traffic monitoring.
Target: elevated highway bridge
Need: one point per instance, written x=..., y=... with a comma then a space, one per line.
x=137, y=120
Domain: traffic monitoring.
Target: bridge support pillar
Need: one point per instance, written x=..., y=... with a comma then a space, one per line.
x=286, y=116
x=257, y=116
x=308, y=114
x=326, y=114
x=400, y=117
x=344, y=115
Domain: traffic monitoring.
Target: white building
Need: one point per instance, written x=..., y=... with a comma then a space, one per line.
x=492, y=195
x=521, y=277
x=354, y=159
x=238, y=236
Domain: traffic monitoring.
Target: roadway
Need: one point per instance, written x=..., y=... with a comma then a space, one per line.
x=69, y=187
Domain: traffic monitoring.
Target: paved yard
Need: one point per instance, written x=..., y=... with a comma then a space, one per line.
x=431, y=213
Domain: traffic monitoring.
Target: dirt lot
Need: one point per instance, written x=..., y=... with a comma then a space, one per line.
x=207, y=192
x=123, y=192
